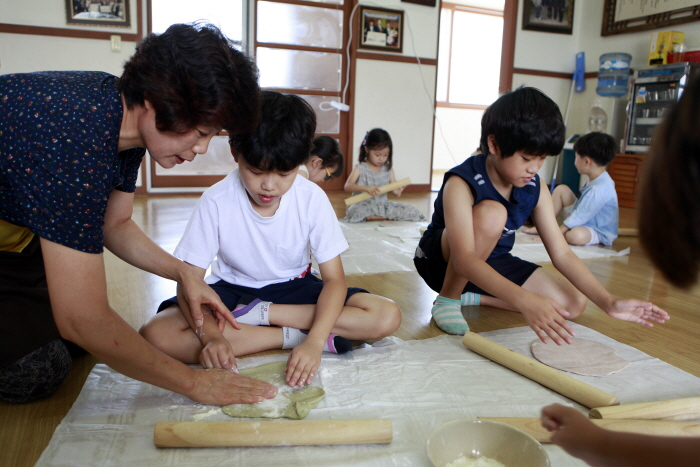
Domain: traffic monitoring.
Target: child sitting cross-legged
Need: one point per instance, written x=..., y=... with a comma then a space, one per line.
x=592, y=218
x=257, y=229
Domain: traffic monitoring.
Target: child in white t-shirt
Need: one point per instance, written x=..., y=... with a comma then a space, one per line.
x=257, y=229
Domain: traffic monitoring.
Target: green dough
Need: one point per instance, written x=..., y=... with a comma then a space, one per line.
x=288, y=403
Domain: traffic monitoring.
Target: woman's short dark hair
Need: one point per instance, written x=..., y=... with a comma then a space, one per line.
x=524, y=120
x=327, y=149
x=284, y=137
x=192, y=75
x=669, y=215
x=600, y=147
x=377, y=138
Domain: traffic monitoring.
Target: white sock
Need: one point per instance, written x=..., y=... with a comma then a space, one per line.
x=251, y=310
x=334, y=344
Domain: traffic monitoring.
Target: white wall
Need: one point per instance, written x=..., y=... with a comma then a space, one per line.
x=25, y=53
x=557, y=52
x=400, y=97
x=390, y=95
x=457, y=135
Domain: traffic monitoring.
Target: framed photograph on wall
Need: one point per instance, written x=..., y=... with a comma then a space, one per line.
x=549, y=16
x=381, y=29
x=98, y=12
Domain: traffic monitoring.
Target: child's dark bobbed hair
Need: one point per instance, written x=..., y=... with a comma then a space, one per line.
x=327, y=149
x=524, y=120
x=191, y=75
x=598, y=146
x=376, y=139
x=283, y=140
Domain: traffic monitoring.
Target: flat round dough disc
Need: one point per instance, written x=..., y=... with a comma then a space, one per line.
x=582, y=357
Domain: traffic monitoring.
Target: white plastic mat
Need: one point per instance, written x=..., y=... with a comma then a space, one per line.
x=378, y=247
x=419, y=385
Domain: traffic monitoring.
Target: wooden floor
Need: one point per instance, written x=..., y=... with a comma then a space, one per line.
x=25, y=430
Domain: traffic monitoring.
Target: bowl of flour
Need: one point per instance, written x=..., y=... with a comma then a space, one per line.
x=483, y=443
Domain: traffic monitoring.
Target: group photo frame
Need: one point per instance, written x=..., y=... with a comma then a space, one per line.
x=555, y=16
x=381, y=29
x=98, y=13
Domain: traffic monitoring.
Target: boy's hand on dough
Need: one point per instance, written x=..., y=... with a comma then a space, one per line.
x=547, y=318
x=303, y=363
x=218, y=353
x=637, y=311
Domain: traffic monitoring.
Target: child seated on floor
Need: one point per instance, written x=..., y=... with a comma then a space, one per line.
x=464, y=255
x=326, y=161
x=374, y=171
x=593, y=219
x=257, y=229
x=669, y=232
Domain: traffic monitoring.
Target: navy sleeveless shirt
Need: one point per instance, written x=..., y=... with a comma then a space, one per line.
x=524, y=200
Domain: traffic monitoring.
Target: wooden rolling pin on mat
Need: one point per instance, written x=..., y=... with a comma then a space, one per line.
x=534, y=428
x=271, y=433
x=674, y=409
x=547, y=376
x=382, y=189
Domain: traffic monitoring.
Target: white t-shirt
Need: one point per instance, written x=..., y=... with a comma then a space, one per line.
x=247, y=249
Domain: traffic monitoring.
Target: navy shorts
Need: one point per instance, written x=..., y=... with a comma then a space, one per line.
x=432, y=266
x=303, y=291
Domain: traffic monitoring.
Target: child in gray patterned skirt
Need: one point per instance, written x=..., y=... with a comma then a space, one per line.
x=373, y=171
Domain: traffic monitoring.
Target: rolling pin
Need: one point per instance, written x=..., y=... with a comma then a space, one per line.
x=271, y=433
x=382, y=189
x=547, y=376
x=534, y=428
x=674, y=409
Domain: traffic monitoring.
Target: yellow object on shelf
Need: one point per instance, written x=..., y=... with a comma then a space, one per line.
x=662, y=44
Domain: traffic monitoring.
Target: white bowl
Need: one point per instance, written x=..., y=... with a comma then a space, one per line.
x=476, y=438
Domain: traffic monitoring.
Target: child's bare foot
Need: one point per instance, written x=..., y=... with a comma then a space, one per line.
x=530, y=231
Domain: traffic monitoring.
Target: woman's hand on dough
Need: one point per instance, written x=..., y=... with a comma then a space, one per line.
x=222, y=387
x=303, y=364
x=637, y=311
x=218, y=353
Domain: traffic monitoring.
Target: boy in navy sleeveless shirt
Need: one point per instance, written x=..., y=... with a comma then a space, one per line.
x=464, y=254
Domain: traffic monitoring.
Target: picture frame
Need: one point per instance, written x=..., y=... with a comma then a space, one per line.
x=98, y=13
x=661, y=15
x=556, y=16
x=421, y=2
x=381, y=29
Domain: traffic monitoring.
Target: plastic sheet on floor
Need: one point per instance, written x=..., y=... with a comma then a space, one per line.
x=418, y=384
x=530, y=248
x=380, y=247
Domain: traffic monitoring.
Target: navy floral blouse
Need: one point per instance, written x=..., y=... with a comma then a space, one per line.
x=59, y=161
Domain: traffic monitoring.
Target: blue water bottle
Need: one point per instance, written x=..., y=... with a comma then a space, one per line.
x=614, y=73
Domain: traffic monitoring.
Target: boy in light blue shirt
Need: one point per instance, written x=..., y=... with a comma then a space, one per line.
x=593, y=217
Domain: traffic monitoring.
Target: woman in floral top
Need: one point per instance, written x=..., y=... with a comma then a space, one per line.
x=71, y=144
